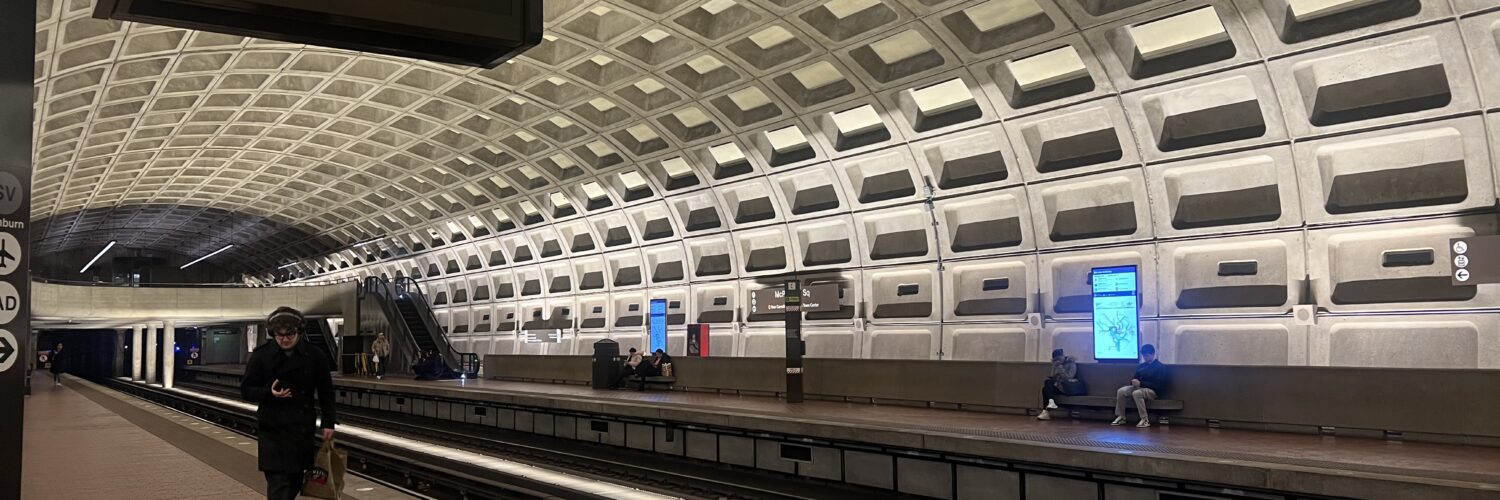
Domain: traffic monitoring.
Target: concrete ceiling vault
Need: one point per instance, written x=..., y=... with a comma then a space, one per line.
x=188, y=141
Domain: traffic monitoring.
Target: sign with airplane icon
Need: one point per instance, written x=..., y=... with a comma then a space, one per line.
x=10, y=253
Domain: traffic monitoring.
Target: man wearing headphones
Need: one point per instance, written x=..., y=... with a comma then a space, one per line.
x=283, y=377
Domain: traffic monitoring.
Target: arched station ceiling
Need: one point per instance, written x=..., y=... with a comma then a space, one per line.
x=330, y=143
x=307, y=150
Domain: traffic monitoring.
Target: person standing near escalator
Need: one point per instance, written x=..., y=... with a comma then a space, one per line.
x=381, y=352
x=283, y=378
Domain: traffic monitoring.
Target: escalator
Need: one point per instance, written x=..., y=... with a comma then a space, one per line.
x=317, y=333
x=411, y=316
x=407, y=312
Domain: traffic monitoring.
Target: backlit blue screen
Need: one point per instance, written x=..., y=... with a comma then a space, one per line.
x=1116, y=312
x=658, y=328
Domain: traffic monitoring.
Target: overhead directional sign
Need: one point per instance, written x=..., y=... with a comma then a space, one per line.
x=10, y=302
x=1475, y=260
x=18, y=42
x=10, y=253
x=8, y=354
x=822, y=297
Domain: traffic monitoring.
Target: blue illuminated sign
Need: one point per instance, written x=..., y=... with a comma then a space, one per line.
x=1116, y=312
x=658, y=325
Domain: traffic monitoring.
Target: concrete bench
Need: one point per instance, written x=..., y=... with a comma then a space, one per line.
x=642, y=382
x=1109, y=402
x=1103, y=406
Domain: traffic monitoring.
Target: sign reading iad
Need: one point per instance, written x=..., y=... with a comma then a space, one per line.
x=1116, y=312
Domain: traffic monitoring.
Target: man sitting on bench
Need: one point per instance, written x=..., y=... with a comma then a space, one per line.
x=632, y=367
x=1063, y=382
x=657, y=366
x=1149, y=382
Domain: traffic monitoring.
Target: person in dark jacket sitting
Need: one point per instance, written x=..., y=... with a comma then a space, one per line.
x=282, y=378
x=1148, y=383
x=1062, y=382
x=654, y=367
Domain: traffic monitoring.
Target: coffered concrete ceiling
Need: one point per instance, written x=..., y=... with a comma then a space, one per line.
x=188, y=141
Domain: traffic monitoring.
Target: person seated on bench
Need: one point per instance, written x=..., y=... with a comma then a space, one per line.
x=1063, y=382
x=632, y=367
x=655, y=368
x=1148, y=383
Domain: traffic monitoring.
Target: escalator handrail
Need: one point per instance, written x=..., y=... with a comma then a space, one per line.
x=387, y=294
x=386, y=298
x=467, y=362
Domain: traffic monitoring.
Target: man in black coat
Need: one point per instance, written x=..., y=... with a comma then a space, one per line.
x=57, y=365
x=282, y=377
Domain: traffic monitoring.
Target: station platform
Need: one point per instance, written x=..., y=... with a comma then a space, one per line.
x=86, y=441
x=1312, y=464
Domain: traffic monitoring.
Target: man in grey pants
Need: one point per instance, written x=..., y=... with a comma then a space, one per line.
x=1149, y=382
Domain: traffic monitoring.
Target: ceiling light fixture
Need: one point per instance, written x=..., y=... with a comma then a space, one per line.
x=366, y=242
x=200, y=259
x=96, y=257
x=287, y=265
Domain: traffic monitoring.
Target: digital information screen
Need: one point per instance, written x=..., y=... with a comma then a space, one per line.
x=1116, y=313
x=658, y=325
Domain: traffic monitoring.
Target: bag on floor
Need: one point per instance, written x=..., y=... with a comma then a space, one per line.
x=326, y=478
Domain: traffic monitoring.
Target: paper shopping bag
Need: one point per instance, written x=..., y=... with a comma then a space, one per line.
x=326, y=478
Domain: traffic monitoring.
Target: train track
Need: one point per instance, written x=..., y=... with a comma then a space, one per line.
x=383, y=463
x=646, y=471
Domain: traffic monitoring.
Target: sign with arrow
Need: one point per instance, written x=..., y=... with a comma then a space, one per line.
x=1474, y=260
x=17, y=49
x=8, y=354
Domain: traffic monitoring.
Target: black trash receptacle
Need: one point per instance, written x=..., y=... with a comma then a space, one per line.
x=606, y=364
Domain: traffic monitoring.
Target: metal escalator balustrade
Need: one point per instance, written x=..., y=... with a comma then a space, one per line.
x=403, y=297
x=411, y=317
x=318, y=335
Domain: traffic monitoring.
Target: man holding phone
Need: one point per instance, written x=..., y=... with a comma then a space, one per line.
x=283, y=377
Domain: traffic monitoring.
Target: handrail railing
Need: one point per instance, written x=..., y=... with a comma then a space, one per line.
x=405, y=287
x=53, y=281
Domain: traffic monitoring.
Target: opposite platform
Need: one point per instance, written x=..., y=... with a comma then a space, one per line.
x=1334, y=466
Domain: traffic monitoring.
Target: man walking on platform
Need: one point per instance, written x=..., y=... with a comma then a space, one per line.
x=282, y=377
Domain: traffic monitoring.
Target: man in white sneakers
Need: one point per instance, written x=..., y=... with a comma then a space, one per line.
x=1149, y=382
x=1062, y=382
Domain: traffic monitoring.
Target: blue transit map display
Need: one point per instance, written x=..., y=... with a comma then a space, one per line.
x=1116, y=312
x=658, y=325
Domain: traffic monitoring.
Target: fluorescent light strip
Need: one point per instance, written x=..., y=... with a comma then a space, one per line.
x=577, y=483
x=366, y=242
x=200, y=259
x=288, y=265
x=96, y=257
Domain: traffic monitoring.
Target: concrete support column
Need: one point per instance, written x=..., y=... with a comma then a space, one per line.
x=168, y=352
x=152, y=330
x=118, y=368
x=136, y=351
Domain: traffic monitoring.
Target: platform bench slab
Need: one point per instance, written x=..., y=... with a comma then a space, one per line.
x=641, y=382
x=1109, y=402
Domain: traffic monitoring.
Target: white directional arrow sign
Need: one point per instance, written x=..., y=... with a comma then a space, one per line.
x=7, y=350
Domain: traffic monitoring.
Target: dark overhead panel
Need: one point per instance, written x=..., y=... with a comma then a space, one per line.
x=481, y=33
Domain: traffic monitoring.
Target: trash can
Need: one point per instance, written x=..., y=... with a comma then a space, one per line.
x=606, y=363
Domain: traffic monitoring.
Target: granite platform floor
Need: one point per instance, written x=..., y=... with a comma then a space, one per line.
x=86, y=441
